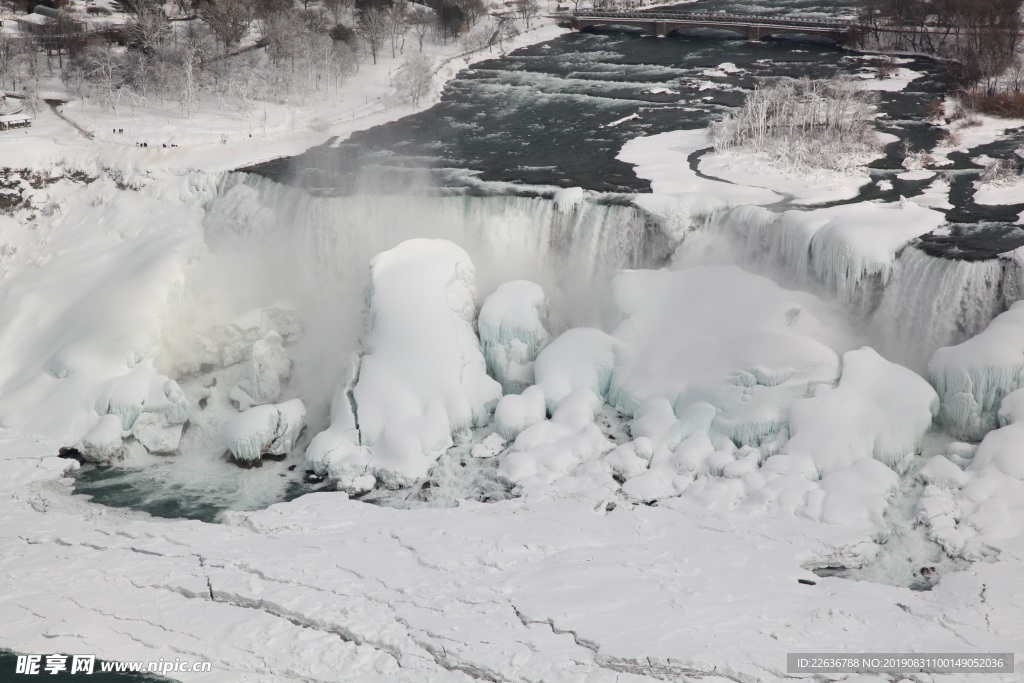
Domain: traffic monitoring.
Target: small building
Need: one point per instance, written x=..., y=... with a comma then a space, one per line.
x=15, y=121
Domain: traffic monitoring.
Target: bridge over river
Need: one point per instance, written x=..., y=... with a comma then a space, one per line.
x=753, y=26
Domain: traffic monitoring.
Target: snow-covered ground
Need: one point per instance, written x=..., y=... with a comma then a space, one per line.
x=684, y=457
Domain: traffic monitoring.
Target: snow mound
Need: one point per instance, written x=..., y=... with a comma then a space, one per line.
x=568, y=198
x=512, y=332
x=580, y=358
x=142, y=390
x=879, y=410
x=516, y=412
x=973, y=377
x=336, y=451
x=423, y=378
x=102, y=443
x=721, y=338
x=264, y=430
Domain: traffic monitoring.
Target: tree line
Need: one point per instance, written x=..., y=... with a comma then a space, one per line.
x=978, y=38
x=234, y=52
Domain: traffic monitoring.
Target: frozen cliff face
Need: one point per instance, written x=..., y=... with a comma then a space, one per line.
x=973, y=377
x=721, y=338
x=512, y=332
x=879, y=410
x=848, y=250
x=423, y=378
x=150, y=406
x=264, y=430
x=336, y=452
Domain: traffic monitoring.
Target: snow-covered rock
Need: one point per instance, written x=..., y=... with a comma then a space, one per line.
x=721, y=337
x=512, y=332
x=879, y=410
x=156, y=433
x=580, y=358
x=973, y=377
x=264, y=430
x=942, y=472
x=103, y=442
x=142, y=389
x=516, y=412
x=568, y=198
x=268, y=366
x=422, y=379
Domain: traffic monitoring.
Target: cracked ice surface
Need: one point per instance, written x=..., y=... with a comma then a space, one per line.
x=326, y=589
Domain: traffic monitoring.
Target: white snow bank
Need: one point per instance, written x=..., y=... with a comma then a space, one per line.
x=879, y=410
x=102, y=443
x=512, y=332
x=663, y=159
x=994, y=194
x=973, y=377
x=516, y=412
x=265, y=430
x=718, y=336
x=336, y=451
x=423, y=377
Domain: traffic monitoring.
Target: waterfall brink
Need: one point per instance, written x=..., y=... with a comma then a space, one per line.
x=933, y=302
x=912, y=302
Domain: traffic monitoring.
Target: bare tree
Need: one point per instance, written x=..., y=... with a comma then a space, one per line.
x=397, y=16
x=414, y=78
x=373, y=28
x=420, y=20
x=228, y=19
x=527, y=10
x=103, y=70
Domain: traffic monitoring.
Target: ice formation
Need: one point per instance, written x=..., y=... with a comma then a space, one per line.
x=268, y=366
x=973, y=377
x=512, y=332
x=879, y=410
x=336, y=451
x=264, y=430
x=849, y=250
x=722, y=339
x=150, y=406
x=103, y=442
x=422, y=379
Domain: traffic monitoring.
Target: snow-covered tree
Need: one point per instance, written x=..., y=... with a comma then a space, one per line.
x=413, y=79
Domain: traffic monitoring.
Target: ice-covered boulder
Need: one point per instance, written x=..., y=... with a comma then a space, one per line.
x=580, y=358
x=336, y=451
x=423, y=378
x=512, y=332
x=879, y=410
x=1003, y=448
x=142, y=390
x=156, y=433
x=103, y=442
x=568, y=198
x=268, y=366
x=732, y=342
x=516, y=412
x=264, y=430
x=973, y=377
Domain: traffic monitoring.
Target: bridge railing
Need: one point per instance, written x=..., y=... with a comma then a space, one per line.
x=713, y=17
